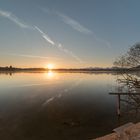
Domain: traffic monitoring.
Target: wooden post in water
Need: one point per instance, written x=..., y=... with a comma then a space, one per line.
x=118, y=105
x=118, y=94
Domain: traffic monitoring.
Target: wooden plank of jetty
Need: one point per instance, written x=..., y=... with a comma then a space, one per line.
x=119, y=94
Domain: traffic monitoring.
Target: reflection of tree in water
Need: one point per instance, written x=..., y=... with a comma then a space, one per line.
x=131, y=103
x=129, y=92
x=6, y=73
x=129, y=82
x=128, y=89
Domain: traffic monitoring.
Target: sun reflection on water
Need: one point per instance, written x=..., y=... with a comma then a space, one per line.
x=50, y=74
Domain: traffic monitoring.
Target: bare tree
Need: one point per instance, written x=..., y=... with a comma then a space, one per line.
x=130, y=59
x=129, y=81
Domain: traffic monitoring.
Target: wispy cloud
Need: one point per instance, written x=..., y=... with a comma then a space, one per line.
x=31, y=56
x=102, y=41
x=17, y=21
x=58, y=46
x=74, y=24
x=13, y=18
x=45, y=36
x=80, y=28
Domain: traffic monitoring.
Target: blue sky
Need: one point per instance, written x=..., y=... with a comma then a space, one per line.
x=67, y=33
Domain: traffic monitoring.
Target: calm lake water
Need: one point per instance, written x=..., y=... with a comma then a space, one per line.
x=58, y=106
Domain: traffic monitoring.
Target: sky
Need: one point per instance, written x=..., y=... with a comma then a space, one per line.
x=67, y=33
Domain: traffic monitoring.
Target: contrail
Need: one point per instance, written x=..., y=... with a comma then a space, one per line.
x=45, y=36
x=80, y=28
x=58, y=46
x=14, y=19
x=18, y=22
x=74, y=24
x=69, y=52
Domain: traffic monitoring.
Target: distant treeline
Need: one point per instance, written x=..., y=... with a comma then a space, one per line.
x=10, y=68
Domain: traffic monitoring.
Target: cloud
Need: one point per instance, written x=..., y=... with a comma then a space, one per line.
x=58, y=46
x=74, y=24
x=31, y=56
x=102, y=41
x=80, y=28
x=45, y=36
x=13, y=18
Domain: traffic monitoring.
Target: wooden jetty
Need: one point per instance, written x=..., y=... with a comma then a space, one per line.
x=119, y=94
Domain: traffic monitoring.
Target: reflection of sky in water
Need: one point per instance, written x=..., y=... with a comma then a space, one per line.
x=45, y=104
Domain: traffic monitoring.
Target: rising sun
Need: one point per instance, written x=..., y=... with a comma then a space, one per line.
x=50, y=66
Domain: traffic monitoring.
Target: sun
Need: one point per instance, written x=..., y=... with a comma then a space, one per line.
x=50, y=66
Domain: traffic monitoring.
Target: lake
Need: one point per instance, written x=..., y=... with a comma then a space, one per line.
x=59, y=106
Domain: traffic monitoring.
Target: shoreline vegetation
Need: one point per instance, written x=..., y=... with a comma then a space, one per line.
x=112, y=69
